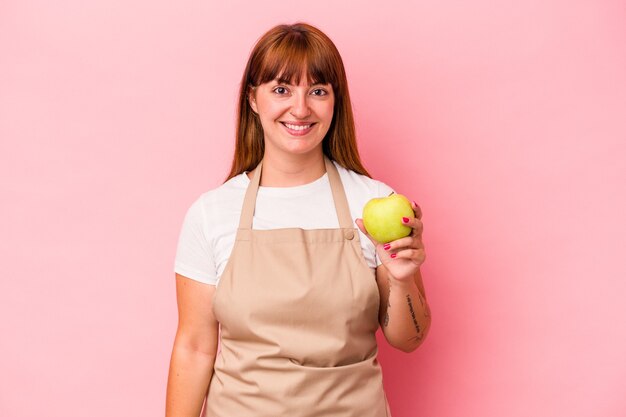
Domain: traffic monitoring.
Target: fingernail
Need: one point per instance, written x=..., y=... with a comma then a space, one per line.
x=414, y=203
x=405, y=219
x=387, y=246
x=393, y=255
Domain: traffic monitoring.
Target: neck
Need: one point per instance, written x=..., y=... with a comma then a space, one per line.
x=291, y=170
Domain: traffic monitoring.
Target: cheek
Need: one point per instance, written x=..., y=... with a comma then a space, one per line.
x=326, y=112
x=274, y=110
x=329, y=115
x=265, y=106
x=331, y=108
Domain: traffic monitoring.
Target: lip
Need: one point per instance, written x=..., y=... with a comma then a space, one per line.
x=298, y=132
x=297, y=123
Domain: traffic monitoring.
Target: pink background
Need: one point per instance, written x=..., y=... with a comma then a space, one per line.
x=505, y=122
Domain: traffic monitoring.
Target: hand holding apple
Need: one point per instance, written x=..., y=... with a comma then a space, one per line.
x=388, y=218
x=380, y=217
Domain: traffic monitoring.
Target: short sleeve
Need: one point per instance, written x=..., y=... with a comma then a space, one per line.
x=194, y=257
x=383, y=191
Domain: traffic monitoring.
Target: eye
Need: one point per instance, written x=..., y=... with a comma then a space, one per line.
x=279, y=88
x=323, y=92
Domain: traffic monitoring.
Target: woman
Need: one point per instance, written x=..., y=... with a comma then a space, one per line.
x=272, y=258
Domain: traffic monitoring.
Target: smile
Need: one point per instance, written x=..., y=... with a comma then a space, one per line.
x=298, y=130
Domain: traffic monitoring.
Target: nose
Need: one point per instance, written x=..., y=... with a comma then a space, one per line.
x=300, y=108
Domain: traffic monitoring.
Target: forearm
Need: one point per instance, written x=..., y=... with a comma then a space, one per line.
x=407, y=318
x=188, y=381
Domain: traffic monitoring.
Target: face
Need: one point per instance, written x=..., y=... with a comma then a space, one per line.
x=295, y=119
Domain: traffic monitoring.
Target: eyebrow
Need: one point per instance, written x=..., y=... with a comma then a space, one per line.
x=279, y=81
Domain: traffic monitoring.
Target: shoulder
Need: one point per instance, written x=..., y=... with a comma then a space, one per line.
x=358, y=185
x=213, y=203
x=359, y=190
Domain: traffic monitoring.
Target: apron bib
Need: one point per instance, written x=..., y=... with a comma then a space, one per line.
x=298, y=313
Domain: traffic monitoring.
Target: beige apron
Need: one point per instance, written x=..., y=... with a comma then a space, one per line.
x=298, y=311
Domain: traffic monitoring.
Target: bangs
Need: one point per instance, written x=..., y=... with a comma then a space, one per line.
x=292, y=56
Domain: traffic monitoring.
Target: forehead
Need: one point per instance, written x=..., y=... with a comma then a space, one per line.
x=303, y=82
x=291, y=79
x=291, y=61
x=292, y=73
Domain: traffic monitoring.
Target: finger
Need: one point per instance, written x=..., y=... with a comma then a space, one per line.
x=405, y=242
x=416, y=255
x=414, y=223
x=397, y=244
x=361, y=226
x=416, y=209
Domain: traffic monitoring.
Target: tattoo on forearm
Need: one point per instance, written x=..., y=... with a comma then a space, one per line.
x=418, y=337
x=388, y=305
x=424, y=306
x=417, y=327
x=386, y=322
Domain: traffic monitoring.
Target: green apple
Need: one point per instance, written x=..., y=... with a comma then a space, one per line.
x=382, y=217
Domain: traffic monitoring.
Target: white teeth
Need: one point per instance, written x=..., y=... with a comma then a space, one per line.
x=292, y=127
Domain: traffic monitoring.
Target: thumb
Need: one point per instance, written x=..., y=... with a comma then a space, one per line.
x=359, y=223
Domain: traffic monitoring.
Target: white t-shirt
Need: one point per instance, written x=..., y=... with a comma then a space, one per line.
x=210, y=226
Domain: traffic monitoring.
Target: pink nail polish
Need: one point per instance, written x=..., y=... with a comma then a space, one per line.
x=387, y=246
x=405, y=219
x=393, y=255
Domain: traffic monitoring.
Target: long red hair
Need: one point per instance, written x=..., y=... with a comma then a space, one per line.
x=286, y=51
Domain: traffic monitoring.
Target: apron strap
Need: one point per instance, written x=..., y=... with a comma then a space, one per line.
x=245, y=221
x=339, y=196
x=336, y=186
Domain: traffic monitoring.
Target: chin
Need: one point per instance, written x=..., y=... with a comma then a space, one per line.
x=302, y=150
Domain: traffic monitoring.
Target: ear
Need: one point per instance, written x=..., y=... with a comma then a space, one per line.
x=252, y=99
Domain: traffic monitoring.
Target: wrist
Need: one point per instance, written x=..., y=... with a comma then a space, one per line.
x=402, y=284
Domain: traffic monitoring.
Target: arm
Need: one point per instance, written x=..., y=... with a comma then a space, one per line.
x=404, y=312
x=194, y=351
